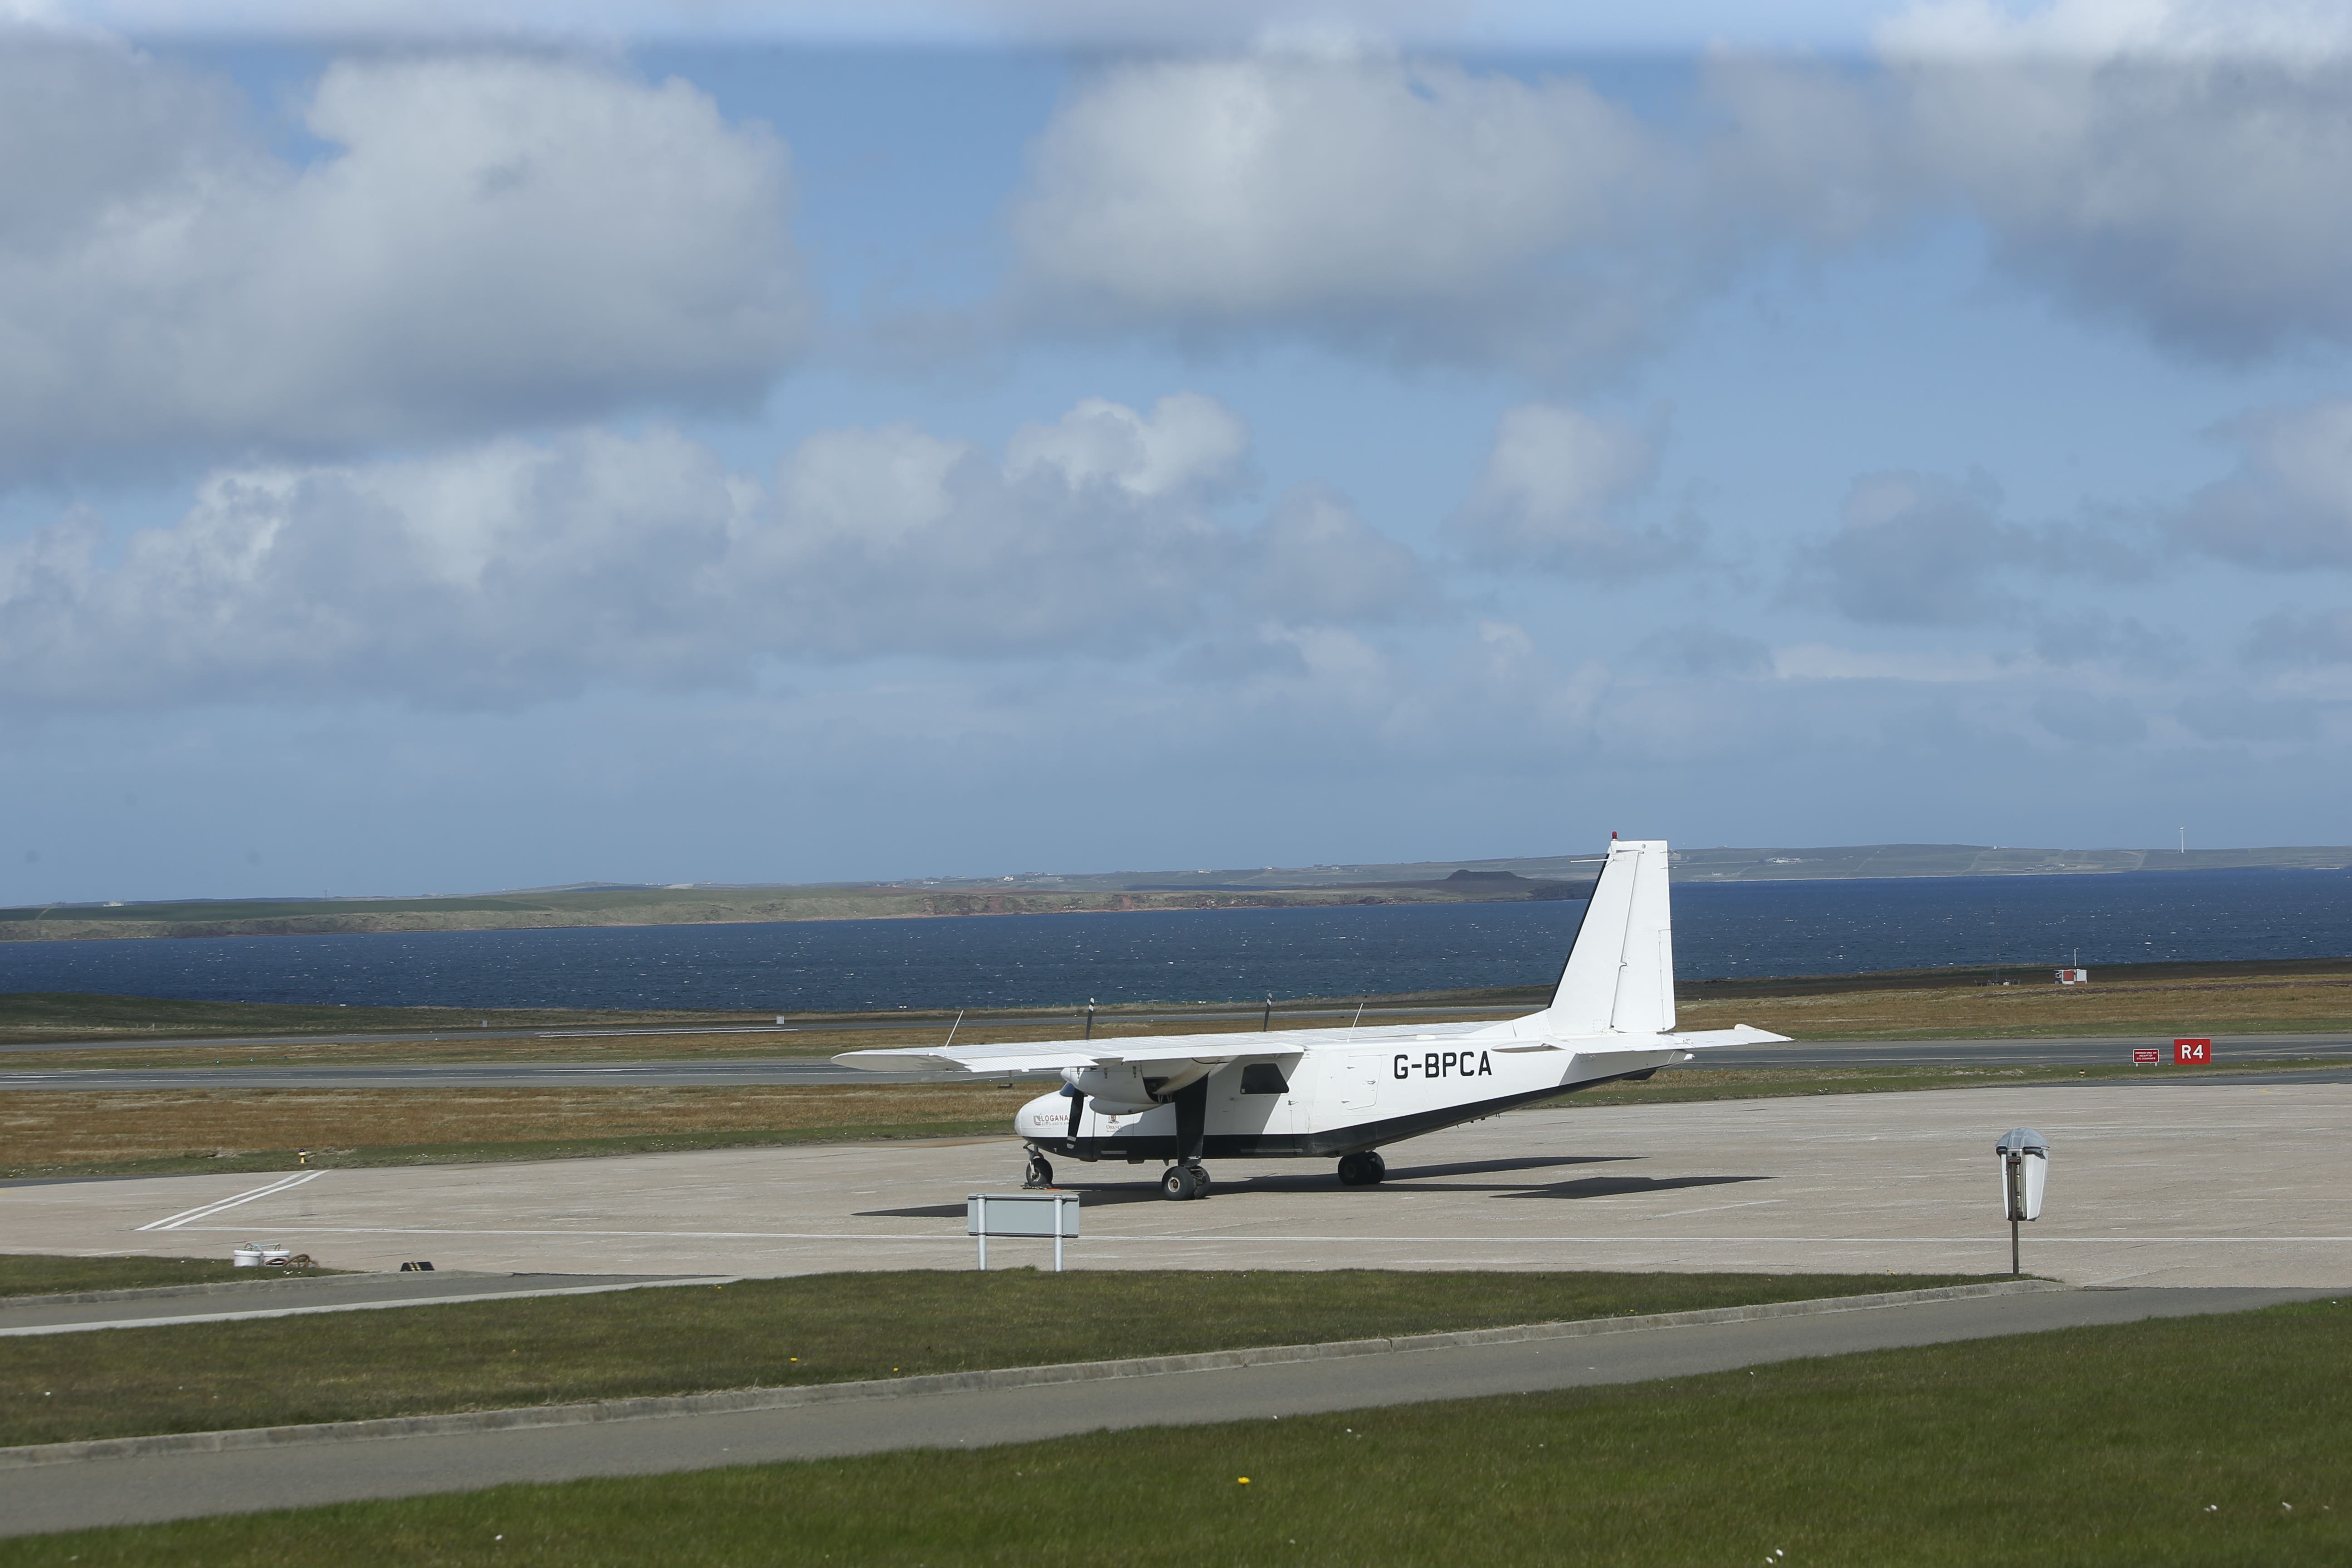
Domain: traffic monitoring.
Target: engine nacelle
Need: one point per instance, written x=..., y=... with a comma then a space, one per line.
x=1122, y=1090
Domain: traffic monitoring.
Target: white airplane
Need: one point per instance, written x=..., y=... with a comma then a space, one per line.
x=1317, y=1093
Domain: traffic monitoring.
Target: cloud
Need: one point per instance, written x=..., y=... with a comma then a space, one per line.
x=2295, y=637
x=2173, y=166
x=1920, y=550
x=1084, y=25
x=2289, y=504
x=483, y=241
x=2177, y=164
x=1554, y=496
x=1700, y=651
x=2233, y=716
x=1189, y=443
x=2090, y=719
x=2093, y=30
x=1407, y=208
x=1916, y=549
x=515, y=572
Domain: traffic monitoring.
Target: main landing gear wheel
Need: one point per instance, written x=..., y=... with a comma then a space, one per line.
x=1040, y=1173
x=1183, y=1183
x=1364, y=1170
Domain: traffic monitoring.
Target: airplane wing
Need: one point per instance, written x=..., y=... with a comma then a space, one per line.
x=1053, y=1056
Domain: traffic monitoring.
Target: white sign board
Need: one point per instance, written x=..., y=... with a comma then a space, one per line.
x=1022, y=1214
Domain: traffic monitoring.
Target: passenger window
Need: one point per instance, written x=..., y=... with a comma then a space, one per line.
x=1263, y=1077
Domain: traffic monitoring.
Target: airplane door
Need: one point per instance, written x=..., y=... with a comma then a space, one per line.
x=1357, y=1085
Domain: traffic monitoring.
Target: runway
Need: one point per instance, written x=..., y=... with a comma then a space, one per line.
x=744, y=1072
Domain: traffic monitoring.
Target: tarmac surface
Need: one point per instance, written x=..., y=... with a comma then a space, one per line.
x=2181, y=1181
x=2080, y=1051
x=126, y=1490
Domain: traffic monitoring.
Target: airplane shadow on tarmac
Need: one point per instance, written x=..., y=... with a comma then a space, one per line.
x=1146, y=1190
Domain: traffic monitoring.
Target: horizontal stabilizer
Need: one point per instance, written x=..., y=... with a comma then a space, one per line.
x=1739, y=1034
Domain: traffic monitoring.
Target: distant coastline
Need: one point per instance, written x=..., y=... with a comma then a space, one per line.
x=1446, y=882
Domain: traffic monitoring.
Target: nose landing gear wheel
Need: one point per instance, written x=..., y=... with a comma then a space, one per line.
x=1183, y=1183
x=1040, y=1173
x=1364, y=1170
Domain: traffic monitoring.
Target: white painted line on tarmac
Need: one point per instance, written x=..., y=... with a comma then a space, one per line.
x=362, y=1306
x=573, y=1235
x=206, y=1211
x=1181, y=1238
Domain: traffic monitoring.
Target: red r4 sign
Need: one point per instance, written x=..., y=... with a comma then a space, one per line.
x=2191, y=1053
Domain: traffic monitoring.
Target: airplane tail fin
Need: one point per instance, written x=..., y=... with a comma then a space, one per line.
x=1621, y=972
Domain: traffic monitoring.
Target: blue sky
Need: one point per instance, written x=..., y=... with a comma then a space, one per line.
x=714, y=445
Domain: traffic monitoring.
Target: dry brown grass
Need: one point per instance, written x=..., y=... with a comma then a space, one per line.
x=83, y=1129
x=2217, y=1005
x=2220, y=1004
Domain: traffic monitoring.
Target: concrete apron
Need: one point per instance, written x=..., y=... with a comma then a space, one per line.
x=2176, y=1183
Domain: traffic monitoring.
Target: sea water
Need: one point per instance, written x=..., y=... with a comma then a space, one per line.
x=1721, y=928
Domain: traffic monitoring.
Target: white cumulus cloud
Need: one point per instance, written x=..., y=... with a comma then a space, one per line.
x=1554, y=495
x=1413, y=208
x=520, y=571
x=482, y=241
x=2174, y=167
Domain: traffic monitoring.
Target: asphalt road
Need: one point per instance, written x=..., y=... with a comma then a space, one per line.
x=792, y=1071
x=101, y=1492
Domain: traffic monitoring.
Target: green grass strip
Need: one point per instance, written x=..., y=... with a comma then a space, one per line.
x=34, y=1274
x=823, y=1328
x=2186, y=1441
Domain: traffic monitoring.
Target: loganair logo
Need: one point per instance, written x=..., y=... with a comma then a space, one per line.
x=1445, y=1064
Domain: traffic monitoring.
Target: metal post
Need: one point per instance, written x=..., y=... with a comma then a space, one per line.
x=1267, y=1024
x=2012, y=1170
x=1057, y=1235
x=983, y=1202
x=1090, y=1017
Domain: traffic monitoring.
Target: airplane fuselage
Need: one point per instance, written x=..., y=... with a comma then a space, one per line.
x=1329, y=1100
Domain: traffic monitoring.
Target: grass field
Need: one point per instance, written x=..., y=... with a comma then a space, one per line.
x=2163, y=1000
x=31, y=1274
x=2176, y=999
x=2186, y=1441
x=28, y=1016
x=825, y=1328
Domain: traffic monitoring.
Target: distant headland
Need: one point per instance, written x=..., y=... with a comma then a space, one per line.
x=1039, y=892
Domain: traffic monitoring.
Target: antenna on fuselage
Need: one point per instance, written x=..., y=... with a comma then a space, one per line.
x=953, y=1028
